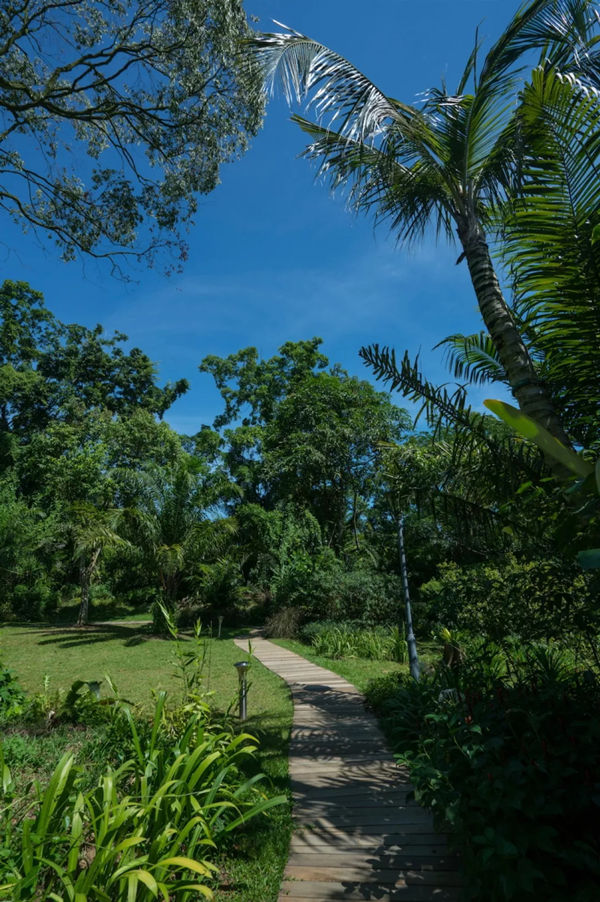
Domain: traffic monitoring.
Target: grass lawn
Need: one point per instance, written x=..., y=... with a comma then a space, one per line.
x=138, y=662
x=357, y=671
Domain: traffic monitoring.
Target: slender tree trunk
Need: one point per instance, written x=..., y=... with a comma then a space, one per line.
x=529, y=391
x=86, y=571
x=413, y=657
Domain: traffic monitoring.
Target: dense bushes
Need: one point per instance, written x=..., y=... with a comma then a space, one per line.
x=535, y=599
x=506, y=752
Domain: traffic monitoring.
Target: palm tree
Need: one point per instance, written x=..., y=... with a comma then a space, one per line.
x=174, y=530
x=91, y=530
x=454, y=161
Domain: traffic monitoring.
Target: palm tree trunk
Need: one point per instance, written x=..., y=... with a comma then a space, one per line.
x=86, y=572
x=529, y=391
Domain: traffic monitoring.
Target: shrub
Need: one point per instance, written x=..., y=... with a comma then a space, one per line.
x=284, y=624
x=535, y=599
x=12, y=697
x=146, y=829
x=506, y=752
x=352, y=639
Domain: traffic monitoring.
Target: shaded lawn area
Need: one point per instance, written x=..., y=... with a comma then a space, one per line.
x=138, y=662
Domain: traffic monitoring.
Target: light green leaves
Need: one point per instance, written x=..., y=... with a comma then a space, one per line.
x=531, y=430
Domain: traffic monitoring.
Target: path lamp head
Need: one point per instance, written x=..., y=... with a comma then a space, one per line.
x=242, y=669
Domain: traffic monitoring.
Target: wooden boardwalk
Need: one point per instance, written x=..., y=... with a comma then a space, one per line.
x=356, y=836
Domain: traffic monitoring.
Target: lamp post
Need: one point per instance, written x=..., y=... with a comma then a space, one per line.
x=413, y=657
x=242, y=669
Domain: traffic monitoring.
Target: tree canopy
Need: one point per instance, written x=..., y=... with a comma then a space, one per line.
x=115, y=115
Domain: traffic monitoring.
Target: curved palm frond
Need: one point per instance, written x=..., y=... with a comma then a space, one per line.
x=309, y=71
x=561, y=31
x=394, y=185
x=475, y=441
x=473, y=357
x=550, y=244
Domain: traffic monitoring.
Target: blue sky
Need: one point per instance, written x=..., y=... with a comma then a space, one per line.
x=273, y=257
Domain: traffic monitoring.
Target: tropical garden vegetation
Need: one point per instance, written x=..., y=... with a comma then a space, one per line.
x=297, y=506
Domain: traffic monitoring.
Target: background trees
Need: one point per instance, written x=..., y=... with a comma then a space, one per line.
x=155, y=95
x=306, y=434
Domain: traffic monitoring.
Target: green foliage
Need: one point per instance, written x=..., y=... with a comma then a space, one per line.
x=156, y=116
x=346, y=640
x=533, y=599
x=365, y=595
x=308, y=437
x=146, y=826
x=26, y=565
x=49, y=370
x=12, y=697
x=581, y=520
x=505, y=752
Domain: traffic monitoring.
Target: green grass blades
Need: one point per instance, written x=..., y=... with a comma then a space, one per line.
x=347, y=641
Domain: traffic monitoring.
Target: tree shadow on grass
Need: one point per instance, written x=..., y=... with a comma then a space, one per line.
x=73, y=637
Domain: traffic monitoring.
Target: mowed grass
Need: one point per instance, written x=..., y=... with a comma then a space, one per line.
x=139, y=663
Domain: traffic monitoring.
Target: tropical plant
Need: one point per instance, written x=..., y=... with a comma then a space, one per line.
x=147, y=829
x=454, y=161
x=550, y=244
x=504, y=750
x=580, y=480
x=90, y=530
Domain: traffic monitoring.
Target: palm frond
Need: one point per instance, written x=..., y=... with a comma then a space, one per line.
x=439, y=406
x=559, y=30
x=475, y=440
x=473, y=357
x=392, y=183
x=310, y=72
x=549, y=243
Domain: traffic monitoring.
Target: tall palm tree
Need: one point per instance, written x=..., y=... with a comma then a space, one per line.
x=91, y=531
x=453, y=161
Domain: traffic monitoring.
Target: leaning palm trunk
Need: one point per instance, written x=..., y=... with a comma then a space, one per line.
x=529, y=391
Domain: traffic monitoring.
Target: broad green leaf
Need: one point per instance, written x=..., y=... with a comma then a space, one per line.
x=531, y=430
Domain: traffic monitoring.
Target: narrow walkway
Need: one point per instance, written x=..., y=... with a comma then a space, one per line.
x=357, y=837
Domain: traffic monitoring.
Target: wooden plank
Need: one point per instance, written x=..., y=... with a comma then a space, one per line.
x=396, y=844
x=367, y=873
x=354, y=891
x=397, y=860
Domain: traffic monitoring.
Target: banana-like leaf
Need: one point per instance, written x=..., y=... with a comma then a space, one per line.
x=531, y=430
